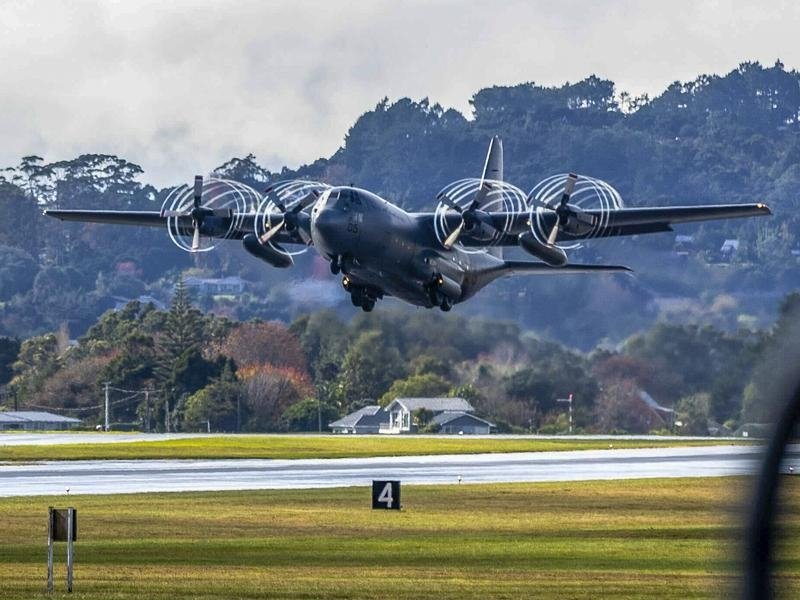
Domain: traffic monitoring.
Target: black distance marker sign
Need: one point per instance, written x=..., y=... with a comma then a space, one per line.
x=386, y=495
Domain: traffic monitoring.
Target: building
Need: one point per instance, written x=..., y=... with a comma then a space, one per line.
x=364, y=420
x=226, y=286
x=29, y=420
x=462, y=423
x=452, y=415
x=401, y=411
x=729, y=249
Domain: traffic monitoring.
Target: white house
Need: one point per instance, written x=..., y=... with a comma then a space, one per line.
x=401, y=417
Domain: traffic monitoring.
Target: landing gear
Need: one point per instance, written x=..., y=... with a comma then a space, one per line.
x=446, y=304
x=360, y=296
x=336, y=265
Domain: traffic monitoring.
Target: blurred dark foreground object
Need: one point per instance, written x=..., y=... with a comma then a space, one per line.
x=760, y=532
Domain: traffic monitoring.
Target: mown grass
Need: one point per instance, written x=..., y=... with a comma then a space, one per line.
x=333, y=446
x=676, y=538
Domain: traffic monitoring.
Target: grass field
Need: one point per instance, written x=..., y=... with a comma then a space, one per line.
x=333, y=446
x=623, y=539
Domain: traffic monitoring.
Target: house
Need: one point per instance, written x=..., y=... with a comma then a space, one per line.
x=684, y=244
x=364, y=420
x=729, y=249
x=401, y=411
x=29, y=420
x=215, y=287
x=462, y=423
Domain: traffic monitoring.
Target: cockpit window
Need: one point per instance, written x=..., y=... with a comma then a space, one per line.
x=345, y=199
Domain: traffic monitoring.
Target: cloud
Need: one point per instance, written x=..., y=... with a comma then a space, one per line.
x=179, y=87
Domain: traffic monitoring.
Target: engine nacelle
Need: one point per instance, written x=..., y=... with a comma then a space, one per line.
x=266, y=252
x=446, y=286
x=552, y=255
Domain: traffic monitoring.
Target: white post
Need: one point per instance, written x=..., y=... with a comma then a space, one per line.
x=166, y=414
x=50, y=549
x=569, y=401
x=147, y=410
x=70, y=547
x=570, y=413
x=105, y=412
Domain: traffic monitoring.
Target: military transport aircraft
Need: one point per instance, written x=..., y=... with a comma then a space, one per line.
x=430, y=259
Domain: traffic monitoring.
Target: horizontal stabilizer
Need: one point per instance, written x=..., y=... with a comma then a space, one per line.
x=520, y=267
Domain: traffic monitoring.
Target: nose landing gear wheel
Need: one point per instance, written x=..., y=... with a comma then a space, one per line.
x=446, y=304
x=336, y=265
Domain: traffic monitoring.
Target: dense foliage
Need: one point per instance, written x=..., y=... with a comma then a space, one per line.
x=687, y=329
x=206, y=372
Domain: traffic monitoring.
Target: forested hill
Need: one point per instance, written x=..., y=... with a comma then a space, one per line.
x=731, y=138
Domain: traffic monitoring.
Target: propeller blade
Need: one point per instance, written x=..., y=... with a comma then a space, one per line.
x=451, y=239
x=198, y=190
x=175, y=213
x=275, y=199
x=270, y=233
x=305, y=201
x=569, y=187
x=222, y=212
x=480, y=195
x=551, y=239
x=196, y=237
x=445, y=199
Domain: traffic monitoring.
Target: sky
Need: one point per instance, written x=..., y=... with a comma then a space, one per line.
x=179, y=87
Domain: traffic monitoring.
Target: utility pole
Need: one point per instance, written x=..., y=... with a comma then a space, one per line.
x=569, y=401
x=147, y=410
x=166, y=414
x=106, y=425
x=238, y=413
x=319, y=415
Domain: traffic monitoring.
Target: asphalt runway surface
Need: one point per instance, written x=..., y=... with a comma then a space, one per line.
x=132, y=476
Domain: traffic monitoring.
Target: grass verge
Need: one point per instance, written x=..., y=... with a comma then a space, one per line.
x=674, y=538
x=334, y=446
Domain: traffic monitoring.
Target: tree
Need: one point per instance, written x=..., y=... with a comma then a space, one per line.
x=368, y=370
x=416, y=386
x=257, y=342
x=37, y=360
x=214, y=406
x=9, y=349
x=17, y=272
x=307, y=415
x=694, y=412
x=267, y=392
x=620, y=409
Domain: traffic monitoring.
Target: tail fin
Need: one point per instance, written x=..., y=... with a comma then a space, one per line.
x=493, y=169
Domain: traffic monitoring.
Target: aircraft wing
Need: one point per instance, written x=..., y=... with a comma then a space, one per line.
x=619, y=222
x=243, y=223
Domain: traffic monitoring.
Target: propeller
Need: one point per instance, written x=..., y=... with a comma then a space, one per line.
x=290, y=218
x=562, y=210
x=469, y=215
x=197, y=212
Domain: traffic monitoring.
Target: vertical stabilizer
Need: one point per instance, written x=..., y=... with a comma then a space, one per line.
x=493, y=168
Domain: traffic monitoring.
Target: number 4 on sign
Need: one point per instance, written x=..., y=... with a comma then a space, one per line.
x=386, y=495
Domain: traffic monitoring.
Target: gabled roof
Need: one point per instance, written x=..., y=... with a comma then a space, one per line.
x=363, y=416
x=447, y=417
x=27, y=416
x=433, y=404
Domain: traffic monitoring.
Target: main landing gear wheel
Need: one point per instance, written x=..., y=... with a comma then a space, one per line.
x=446, y=304
x=336, y=265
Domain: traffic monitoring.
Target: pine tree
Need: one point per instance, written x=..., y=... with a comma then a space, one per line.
x=183, y=332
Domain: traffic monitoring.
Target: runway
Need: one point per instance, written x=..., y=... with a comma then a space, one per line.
x=121, y=477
